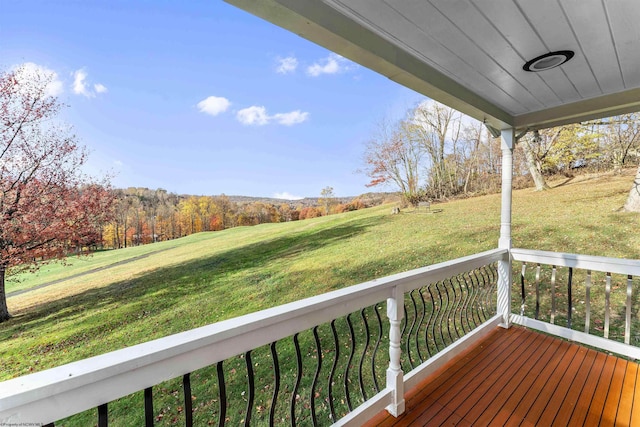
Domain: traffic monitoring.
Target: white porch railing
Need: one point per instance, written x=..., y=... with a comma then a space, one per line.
x=448, y=305
x=588, y=299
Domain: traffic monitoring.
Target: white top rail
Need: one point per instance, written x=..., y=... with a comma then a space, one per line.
x=78, y=386
x=585, y=262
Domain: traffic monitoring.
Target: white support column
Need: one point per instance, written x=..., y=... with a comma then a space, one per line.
x=395, y=376
x=504, y=267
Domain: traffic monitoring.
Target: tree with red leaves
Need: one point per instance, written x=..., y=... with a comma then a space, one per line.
x=48, y=207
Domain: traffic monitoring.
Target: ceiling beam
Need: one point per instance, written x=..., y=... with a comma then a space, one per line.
x=588, y=109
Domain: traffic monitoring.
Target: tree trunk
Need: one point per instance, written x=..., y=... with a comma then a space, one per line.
x=633, y=201
x=534, y=167
x=4, y=310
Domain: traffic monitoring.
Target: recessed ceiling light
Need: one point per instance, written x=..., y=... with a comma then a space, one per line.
x=548, y=60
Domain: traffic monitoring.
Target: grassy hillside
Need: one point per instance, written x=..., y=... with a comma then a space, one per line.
x=208, y=277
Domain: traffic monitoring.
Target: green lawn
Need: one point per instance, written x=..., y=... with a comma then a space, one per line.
x=208, y=277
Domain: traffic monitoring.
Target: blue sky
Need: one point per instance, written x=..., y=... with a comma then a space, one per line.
x=199, y=97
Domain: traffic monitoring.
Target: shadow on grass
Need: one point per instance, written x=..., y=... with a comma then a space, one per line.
x=152, y=294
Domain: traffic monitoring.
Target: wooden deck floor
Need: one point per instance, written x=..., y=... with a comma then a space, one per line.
x=520, y=377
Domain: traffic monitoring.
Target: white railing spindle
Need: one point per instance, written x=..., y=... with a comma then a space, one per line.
x=395, y=376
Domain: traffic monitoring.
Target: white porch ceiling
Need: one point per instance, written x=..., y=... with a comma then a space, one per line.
x=469, y=54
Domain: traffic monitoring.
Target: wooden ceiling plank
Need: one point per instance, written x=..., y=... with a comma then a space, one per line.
x=556, y=34
x=592, y=29
x=507, y=91
x=517, y=29
x=624, y=17
x=406, y=35
x=429, y=19
x=482, y=26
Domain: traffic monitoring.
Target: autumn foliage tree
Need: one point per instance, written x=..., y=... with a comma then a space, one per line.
x=392, y=158
x=48, y=208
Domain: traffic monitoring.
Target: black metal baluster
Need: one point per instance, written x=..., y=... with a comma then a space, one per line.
x=405, y=323
x=298, y=379
x=537, y=291
x=426, y=327
x=364, y=352
x=148, y=407
x=607, y=305
x=276, y=387
x=434, y=316
x=103, y=416
x=627, y=321
x=468, y=300
x=587, y=302
x=413, y=323
x=333, y=369
x=449, y=308
x=569, y=297
x=188, y=404
x=346, y=371
x=522, y=273
x=316, y=376
x=553, y=294
x=493, y=290
x=474, y=309
x=222, y=391
x=465, y=301
x=487, y=287
x=456, y=307
x=441, y=314
x=420, y=323
x=251, y=386
x=482, y=315
x=375, y=349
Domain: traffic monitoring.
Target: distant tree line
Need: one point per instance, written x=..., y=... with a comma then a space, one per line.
x=142, y=216
x=436, y=153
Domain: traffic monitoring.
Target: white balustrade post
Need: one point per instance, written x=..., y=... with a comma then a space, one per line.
x=395, y=376
x=504, y=267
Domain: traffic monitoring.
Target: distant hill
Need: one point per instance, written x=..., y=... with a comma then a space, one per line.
x=374, y=198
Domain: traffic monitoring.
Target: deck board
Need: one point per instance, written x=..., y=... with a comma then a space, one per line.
x=522, y=377
x=627, y=393
x=571, y=398
x=635, y=408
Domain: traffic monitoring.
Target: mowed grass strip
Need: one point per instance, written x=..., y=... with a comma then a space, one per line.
x=209, y=277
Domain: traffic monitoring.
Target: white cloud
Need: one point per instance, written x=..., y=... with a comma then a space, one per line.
x=213, y=105
x=118, y=163
x=253, y=115
x=100, y=88
x=81, y=87
x=287, y=196
x=287, y=65
x=333, y=64
x=292, y=118
x=257, y=116
x=31, y=71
